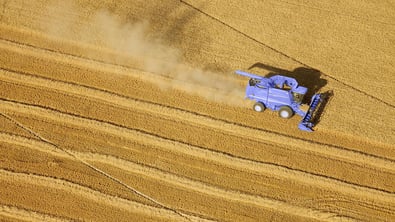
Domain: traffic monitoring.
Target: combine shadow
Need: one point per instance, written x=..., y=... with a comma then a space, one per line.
x=307, y=77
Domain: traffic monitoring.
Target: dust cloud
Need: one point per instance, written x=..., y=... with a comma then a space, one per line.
x=104, y=29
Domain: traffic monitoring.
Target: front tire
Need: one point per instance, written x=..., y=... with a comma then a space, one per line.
x=285, y=112
x=259, y=107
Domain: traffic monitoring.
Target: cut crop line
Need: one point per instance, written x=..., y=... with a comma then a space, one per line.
x=40, y=146
x=354, y=159
x=149, y=77
x=29, y=215
x=129, y=103
x=197, y=186
x=170, y=177
x=126, y=165
x=101, y=122
x=196, y=119
x=323, y=181
x=273, y=170
x=99, y=126
x=186, y=151
x=22, y=132
x=99, y=170
x=82, y=191
x=284, y=54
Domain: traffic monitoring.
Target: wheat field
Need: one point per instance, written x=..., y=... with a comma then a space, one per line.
x=131, y=111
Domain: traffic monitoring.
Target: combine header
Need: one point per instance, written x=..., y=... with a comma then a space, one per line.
x=282, y=94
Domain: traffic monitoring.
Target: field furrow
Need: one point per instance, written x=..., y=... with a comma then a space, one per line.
x=8, y=126
x=19, y=214
x=275, y=171
x=178, y=183
x=69, y=194
x=233, y=132
x=164, y=180
x=44, y=160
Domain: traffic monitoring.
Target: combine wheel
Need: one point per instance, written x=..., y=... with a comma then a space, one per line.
x=285, y=112
x=259, y=107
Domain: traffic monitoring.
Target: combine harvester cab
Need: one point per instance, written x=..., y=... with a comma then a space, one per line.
x=282, y=94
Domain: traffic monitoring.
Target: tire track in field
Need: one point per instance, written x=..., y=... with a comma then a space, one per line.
x=131, y=189
x=41, y=146
x=154, y=78
x=205, y=155
x=125, y=164
x=36, y=145
x=373, y=206
x=321, y=175
x=8, y=126
x=230, y=162
x=183, y=183
x=89, y=194
x=357, y=197
x=194, y=119
x=50, y=162
x=28, y=215
x=277, y=205
x=220, y=151
x=331, y=177
x=211, y=191
x=219, y=157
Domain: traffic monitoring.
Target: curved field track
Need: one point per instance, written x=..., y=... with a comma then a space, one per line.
x=129, y=111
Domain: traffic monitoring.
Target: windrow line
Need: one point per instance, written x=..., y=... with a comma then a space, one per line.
x=250, y=167
x=87, y=193
x=28, y=215
x=153, y=78
x=270, y=169
x=182, y=116
x=182, y=183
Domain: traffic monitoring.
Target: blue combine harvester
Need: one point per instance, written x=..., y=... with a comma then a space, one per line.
x=282, y=94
